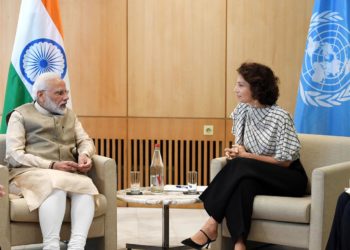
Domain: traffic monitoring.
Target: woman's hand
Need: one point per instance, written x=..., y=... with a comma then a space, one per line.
x=232, y=152
x=242, y=152
x=235, y=151
x=239, y=150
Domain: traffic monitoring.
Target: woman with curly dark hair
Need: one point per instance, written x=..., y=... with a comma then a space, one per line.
x=263, y=161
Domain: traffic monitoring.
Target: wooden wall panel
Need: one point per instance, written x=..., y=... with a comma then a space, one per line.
x=272, y=32
x=105, y=127
x=95, y=43
x=176, y=58
x=8, y=22
x=176, y=52
x=181, y=129
x=145, y=70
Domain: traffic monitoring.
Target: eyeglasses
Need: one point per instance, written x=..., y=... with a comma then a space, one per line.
x=59, y=92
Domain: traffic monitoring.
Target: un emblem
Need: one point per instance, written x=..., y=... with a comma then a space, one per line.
x=325, y=78
x=40, y=56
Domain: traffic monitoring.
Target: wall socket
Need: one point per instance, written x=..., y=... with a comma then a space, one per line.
x=208, y=130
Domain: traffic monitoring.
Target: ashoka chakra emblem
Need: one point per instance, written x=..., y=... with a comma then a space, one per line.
x=40, y=56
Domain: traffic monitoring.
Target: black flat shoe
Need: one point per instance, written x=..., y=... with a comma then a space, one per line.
x=189, y=242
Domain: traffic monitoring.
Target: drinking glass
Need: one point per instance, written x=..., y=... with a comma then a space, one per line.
x=192, y=182
x=135, y=182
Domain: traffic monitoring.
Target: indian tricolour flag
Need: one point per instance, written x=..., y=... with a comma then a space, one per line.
x=38, y=48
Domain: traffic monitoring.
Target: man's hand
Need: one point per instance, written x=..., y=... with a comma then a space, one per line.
x=83, y=166
x=85, y=163
x=68, y=166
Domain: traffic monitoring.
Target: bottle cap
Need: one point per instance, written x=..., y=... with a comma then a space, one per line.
x=157, y=145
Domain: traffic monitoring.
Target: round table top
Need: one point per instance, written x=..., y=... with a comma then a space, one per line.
x=166, y=198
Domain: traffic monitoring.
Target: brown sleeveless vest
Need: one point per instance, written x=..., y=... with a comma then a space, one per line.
x=51, y=137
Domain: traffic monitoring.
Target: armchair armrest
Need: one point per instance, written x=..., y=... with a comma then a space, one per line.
x=4, y=209
x=103, y=174
x=216, y=165
x=327, y=184
x=4, y=178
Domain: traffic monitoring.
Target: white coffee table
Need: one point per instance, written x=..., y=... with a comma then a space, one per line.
x=166, y=199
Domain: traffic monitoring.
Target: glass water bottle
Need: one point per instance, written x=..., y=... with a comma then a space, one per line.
x=157, y=171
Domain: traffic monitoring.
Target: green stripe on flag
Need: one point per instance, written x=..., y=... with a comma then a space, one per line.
x=16, y=95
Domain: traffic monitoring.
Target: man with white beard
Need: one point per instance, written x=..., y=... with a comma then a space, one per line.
x=49, y=153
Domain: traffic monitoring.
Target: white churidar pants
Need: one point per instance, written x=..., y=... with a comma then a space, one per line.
x=51, y=213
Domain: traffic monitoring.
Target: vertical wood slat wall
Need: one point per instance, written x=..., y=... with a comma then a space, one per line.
x=183, y=145
x=179, y=157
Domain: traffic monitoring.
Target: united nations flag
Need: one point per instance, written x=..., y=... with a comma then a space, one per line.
x=323, y=102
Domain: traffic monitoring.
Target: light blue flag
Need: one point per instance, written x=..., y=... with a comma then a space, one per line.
x=323, y=102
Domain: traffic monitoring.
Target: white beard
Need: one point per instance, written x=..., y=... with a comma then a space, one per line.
x=52, y=107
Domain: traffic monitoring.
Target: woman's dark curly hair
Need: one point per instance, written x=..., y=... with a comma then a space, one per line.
x=263, y=82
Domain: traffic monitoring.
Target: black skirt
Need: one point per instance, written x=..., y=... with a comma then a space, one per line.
x=231, y=193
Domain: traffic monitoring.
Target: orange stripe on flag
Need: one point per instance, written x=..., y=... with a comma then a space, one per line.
x=53, y=8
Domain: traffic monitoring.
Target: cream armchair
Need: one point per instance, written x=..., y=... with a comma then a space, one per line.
x=20, y=227
x=300, y=222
